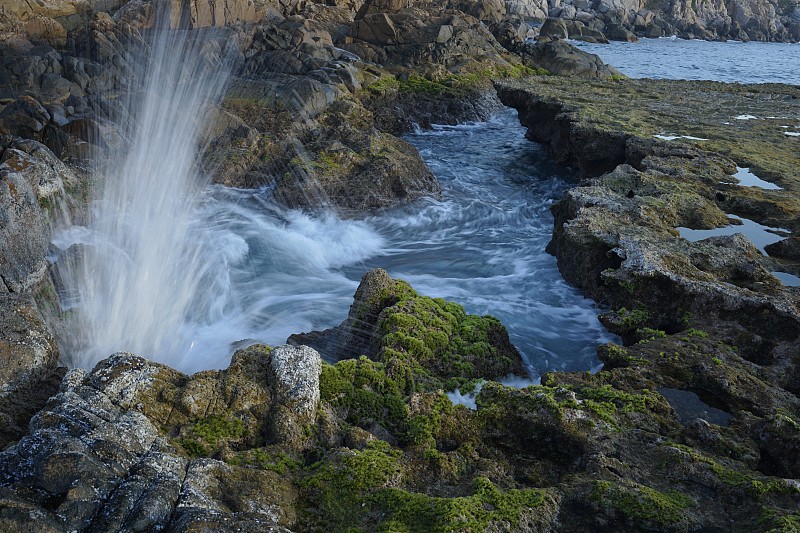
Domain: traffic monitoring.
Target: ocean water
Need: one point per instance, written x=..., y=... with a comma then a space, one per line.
x=187, y=275
x=730, y=61
x=269, y=272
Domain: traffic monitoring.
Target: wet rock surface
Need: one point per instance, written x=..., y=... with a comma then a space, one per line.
x=281, y=440
x=134, y=427
x=375, y=443
x=704, y=317
x=29, y=371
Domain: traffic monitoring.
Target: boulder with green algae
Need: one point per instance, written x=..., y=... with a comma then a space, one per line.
x=422, y=339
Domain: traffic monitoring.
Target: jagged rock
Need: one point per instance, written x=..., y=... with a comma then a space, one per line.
x=786, y=248
x=24, y=117
x=335, y=157
x=381, y=6
x=100, y=448
x=31, y=177
x=617, y=32
x=511, y=33
x=485, y=10
x=619, y=230
x=384, y=311
x=562, y=58
x=527, y=9
x=294, y=377
x=357, y=335
x=554, y=28
x=413, y=37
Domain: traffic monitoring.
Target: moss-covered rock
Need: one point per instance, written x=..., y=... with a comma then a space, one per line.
x=424, y=342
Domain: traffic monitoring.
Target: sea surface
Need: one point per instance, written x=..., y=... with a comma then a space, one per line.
x=258, y=272
x=481, y=245
x=730, y=61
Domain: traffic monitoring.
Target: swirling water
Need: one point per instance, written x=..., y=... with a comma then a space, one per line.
x=270, y=272
x=730, y=61
x=184, y=274
x=140, y=269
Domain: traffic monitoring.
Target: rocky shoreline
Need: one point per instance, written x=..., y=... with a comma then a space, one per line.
x=692, y=425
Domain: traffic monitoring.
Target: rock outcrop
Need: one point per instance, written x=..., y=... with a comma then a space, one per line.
x=32, y=180
x=691, y=425
x=389, y=322
x=110, y=449
x=29, y=371
x=281, y=441
x=563, y=59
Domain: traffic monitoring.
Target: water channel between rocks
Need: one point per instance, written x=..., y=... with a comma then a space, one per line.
x=481, y=245
x=269, y=272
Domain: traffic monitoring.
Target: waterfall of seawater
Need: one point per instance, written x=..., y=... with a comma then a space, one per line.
x=140, y=270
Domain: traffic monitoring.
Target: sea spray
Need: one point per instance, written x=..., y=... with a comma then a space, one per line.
x=140, y=269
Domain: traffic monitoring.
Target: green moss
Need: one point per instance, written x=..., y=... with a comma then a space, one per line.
x=608, y=402
x=452, y=85
x=717, y=361
x=415, y=512
x=218, y=427
x=439, y=343
x=338, y=487
x=632, y=320
x=614, y=356
x=424, y=426
x=724, y=474
x=205, y=436
x=644, y=506
x=696, y=333
x=649, y=335
x=358, y=490
x=779, y=521
x=363, y=392
x=277, y=461
x=193, y=448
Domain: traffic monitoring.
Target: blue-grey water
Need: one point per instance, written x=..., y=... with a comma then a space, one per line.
x=272, y=272
x=730, y=61
x=260, y=272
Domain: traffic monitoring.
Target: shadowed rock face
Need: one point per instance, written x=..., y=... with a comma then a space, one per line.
x=29, y=372
x=564, y=59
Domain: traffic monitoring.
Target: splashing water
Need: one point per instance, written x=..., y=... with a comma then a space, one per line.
x=181, y=272
x=133, y=278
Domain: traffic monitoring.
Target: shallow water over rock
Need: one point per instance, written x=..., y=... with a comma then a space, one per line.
x=761, y=236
